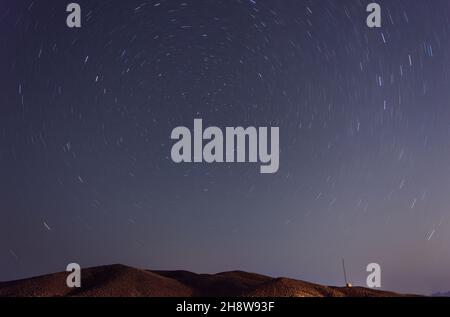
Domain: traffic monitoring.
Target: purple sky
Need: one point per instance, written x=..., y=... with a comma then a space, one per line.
x=364, y=118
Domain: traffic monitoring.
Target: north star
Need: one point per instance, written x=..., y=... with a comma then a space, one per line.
x=187, y=307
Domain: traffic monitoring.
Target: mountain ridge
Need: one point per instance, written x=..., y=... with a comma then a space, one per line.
x=123, y=281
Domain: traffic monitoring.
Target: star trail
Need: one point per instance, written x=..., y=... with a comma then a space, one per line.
x=364, y=138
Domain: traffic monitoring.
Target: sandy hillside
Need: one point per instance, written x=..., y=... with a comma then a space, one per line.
x=120, y=280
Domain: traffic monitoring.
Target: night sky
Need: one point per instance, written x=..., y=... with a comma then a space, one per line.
x=364, y=115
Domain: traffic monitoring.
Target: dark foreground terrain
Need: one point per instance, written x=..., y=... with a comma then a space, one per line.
x=120, y=280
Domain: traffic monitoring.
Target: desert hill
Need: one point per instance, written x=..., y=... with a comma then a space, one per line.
x=120, y=281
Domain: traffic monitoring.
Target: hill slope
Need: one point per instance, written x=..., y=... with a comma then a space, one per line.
x=120, y=280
